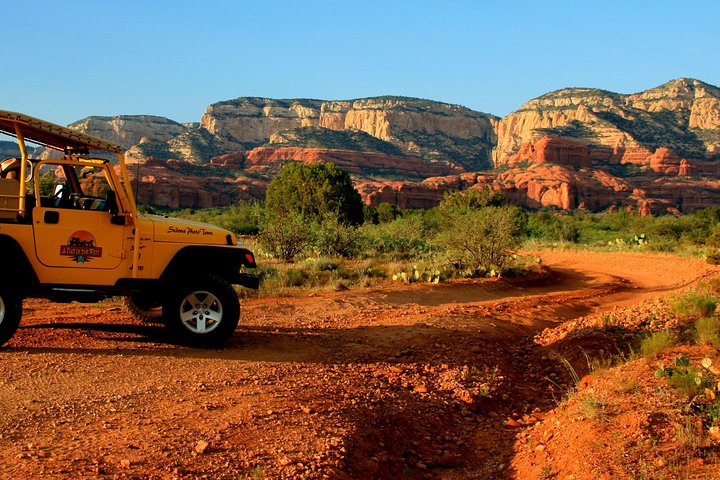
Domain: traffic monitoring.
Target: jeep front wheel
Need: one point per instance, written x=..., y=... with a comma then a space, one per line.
x=10, y=313
x=202, y=313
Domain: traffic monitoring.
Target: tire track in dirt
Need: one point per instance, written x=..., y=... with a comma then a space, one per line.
x=396, y=381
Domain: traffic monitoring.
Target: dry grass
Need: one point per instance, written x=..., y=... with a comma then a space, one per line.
x=656, y=343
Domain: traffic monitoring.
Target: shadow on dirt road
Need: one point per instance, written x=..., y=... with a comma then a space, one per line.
x=407, y=381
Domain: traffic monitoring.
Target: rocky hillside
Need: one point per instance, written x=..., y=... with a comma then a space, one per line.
x=682, y=115
x=657, y=150
x=431, y=130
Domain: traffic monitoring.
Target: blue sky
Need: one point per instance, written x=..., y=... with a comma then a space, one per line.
x=66, y=60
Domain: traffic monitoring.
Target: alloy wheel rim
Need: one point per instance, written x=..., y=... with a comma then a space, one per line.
x=201, y=312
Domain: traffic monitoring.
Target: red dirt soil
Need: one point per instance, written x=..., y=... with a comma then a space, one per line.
x=400, y=381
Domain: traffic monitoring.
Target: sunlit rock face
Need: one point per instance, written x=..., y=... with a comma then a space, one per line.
x=657, y=150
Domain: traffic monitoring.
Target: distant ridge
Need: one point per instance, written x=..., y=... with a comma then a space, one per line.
x=567, y=148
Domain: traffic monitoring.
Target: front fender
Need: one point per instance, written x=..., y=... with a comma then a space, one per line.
x=220, y=260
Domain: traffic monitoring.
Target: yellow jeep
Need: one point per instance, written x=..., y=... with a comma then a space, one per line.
x=70, y=231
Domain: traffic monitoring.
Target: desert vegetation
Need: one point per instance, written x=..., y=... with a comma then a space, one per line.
x=314, y=222
x=542, y=376
x=656, y=362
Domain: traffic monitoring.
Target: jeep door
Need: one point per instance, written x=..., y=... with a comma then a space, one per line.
x=71, y=219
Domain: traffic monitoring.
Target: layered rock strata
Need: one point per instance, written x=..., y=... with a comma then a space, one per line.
x=657, y=150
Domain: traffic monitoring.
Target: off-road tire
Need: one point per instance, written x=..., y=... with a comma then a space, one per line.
x=143, y=309
x=10, y=313
x=202, y=312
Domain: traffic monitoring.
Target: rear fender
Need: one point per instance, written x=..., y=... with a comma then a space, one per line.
x=17, y=269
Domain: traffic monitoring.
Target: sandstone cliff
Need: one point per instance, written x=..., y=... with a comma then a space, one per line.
x=658, y=150
x=682, y=115
x=249, y=121
x=432, y=130
x=130, y=130
x=428, y=129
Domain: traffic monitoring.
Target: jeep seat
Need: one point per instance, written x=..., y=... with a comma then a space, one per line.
x=9, y=198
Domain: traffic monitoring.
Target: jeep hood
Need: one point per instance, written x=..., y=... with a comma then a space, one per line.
x=175, y=230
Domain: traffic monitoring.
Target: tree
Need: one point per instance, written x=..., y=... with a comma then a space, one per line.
x=459, y=203
x=314, y=191
x=387, y=212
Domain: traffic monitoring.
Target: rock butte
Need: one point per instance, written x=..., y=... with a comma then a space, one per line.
x=656, y=151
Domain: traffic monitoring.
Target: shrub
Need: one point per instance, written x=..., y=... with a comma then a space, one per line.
x=714, y=239
x=594, y=408
x=387, y=212
x=370, y=214
x=707, y=330
x=552, y=227
x=243, y=219
x=334, y=238
x=693, y=304
x=713, y=257
x=689, y=380
x=285, y=237
x=294, y=277
x=404, y=238
x=659, y=341
x=483, y=240
x=460, y=203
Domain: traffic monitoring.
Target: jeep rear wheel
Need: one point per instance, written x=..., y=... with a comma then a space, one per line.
x=202, y=313
x=10, y=313
x=143, y=308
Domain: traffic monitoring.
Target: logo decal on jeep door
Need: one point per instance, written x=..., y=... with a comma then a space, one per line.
x=81, y=247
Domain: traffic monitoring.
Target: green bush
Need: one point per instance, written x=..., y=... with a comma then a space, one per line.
x=387, y=212
x=690, y=381
x=460, y=203
x=484, y=240
x=243, y=219
x=707, y=330
x=713, y=257
x=334, y=238
x=693, y=304
x=656, y=343
x=404, y=238
x=294, y=277
x=552, y=227
x=314, y=191
x=285, y=237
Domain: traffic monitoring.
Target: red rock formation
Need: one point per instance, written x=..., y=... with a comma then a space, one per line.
x=351, y=161
x=563, y=187
x=631, y=155
x=426, y=194
x=176, y=184
x=665, y=161
x=179, y=184
x=556, y=150
x=231, y=160
x=685, y=168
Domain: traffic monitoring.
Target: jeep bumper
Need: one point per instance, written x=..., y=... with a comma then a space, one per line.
x=246, y=280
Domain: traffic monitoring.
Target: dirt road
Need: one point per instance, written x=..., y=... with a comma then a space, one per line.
x=401, y=381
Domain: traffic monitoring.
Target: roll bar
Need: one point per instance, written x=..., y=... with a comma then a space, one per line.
x=69, y=141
